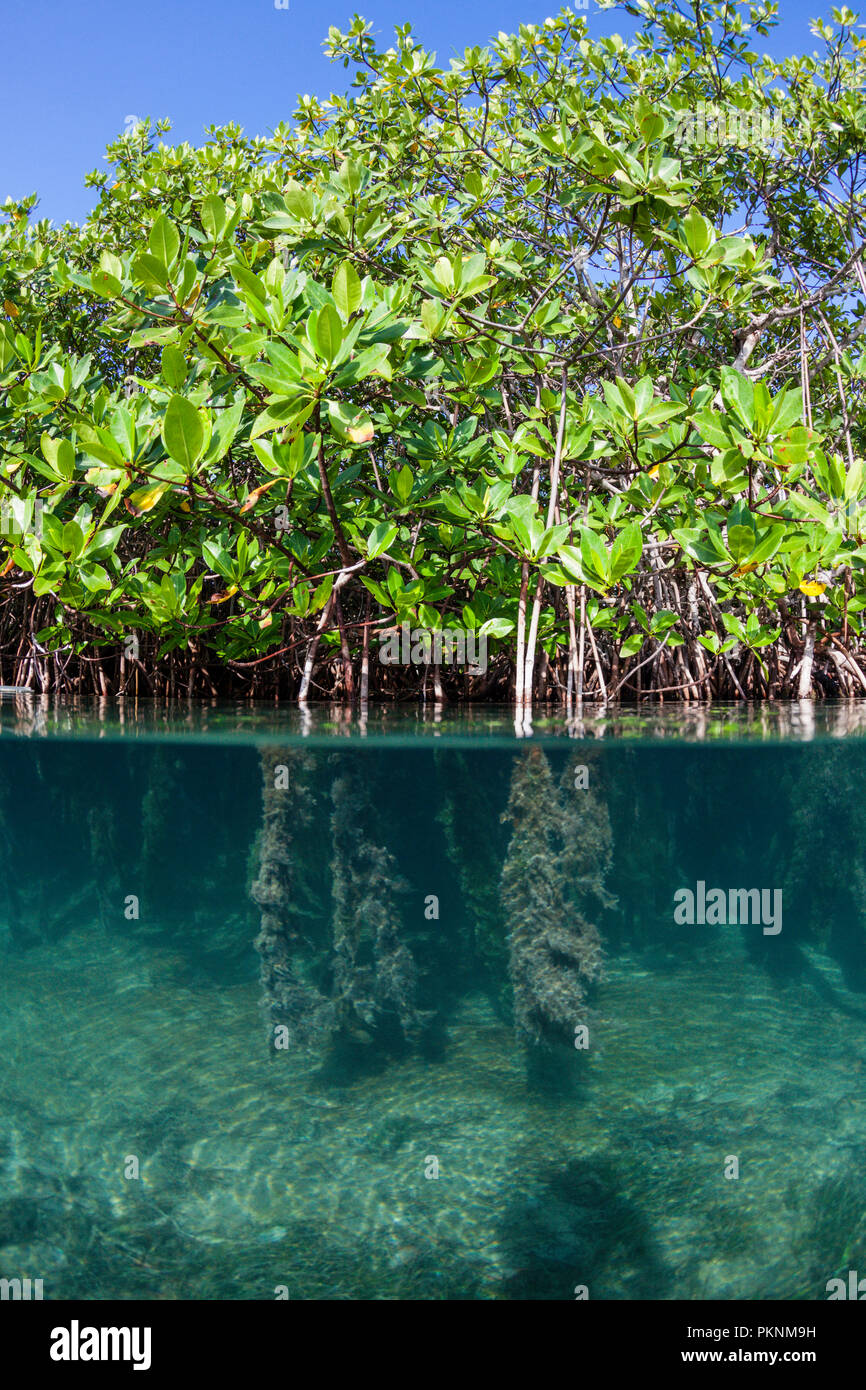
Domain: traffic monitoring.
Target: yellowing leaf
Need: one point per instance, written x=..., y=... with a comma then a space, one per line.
x=106, y=479
x=361, y=434
x=144, y=499
x=9, y=308
x=227, y=594
x=812, y=588
x=256, y=494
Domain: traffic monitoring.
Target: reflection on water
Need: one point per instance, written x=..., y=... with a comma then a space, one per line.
x=27, y=714
x=329, y=1019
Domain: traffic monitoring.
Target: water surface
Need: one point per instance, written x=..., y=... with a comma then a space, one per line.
x=289, y=1003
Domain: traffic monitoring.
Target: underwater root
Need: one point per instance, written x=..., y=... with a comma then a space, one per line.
x=375, y=976
x=361, y=980
x=554, y=872
x=289, y=998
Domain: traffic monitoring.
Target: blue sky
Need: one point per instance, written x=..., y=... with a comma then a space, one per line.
x=73, y=73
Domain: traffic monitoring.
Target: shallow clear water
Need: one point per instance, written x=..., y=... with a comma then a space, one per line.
x=291, y=1006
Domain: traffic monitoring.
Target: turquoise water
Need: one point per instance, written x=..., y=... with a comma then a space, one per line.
x=315, y=1007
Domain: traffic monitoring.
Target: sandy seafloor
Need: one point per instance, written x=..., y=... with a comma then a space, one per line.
x=264, y=1171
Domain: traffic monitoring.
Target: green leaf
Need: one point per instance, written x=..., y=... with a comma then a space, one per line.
x=226, y=425
x=643, y=394
x=787, y=411
x=380, y=539
x=164, y=242
x=293, y=414
x=698, y=233
x=626, y=552
x=401, y=484
x=854, y=480
x=72, y=540
x=219, y=559
x=742, y=532
x=351, y=176
x=594, y=555
x=326, y=332
x=104, y=542
x=183, y=433
x=151, y=272
x=712, y=428
x=738, y=393
x=373, y=360
x=105, y=285
x=173, y=366
x=299, y=202
x=443, y=274
x=112, y=265
x=570, y=557
x=662, y=622
x=496, y=627
x=432, y=317
x=346, y=289
x=767, y=545
x=620, y=398
x=213, y=216
x=60, y=454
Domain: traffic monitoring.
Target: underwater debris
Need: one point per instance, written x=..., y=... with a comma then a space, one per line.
x=375, y=977
x=289, y=997
x=554, y=871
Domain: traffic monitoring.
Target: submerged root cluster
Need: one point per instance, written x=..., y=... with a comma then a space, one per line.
x=374, y=971
x=552, y=880
x=289, y=998
x=353, y=974
x=360, y=977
